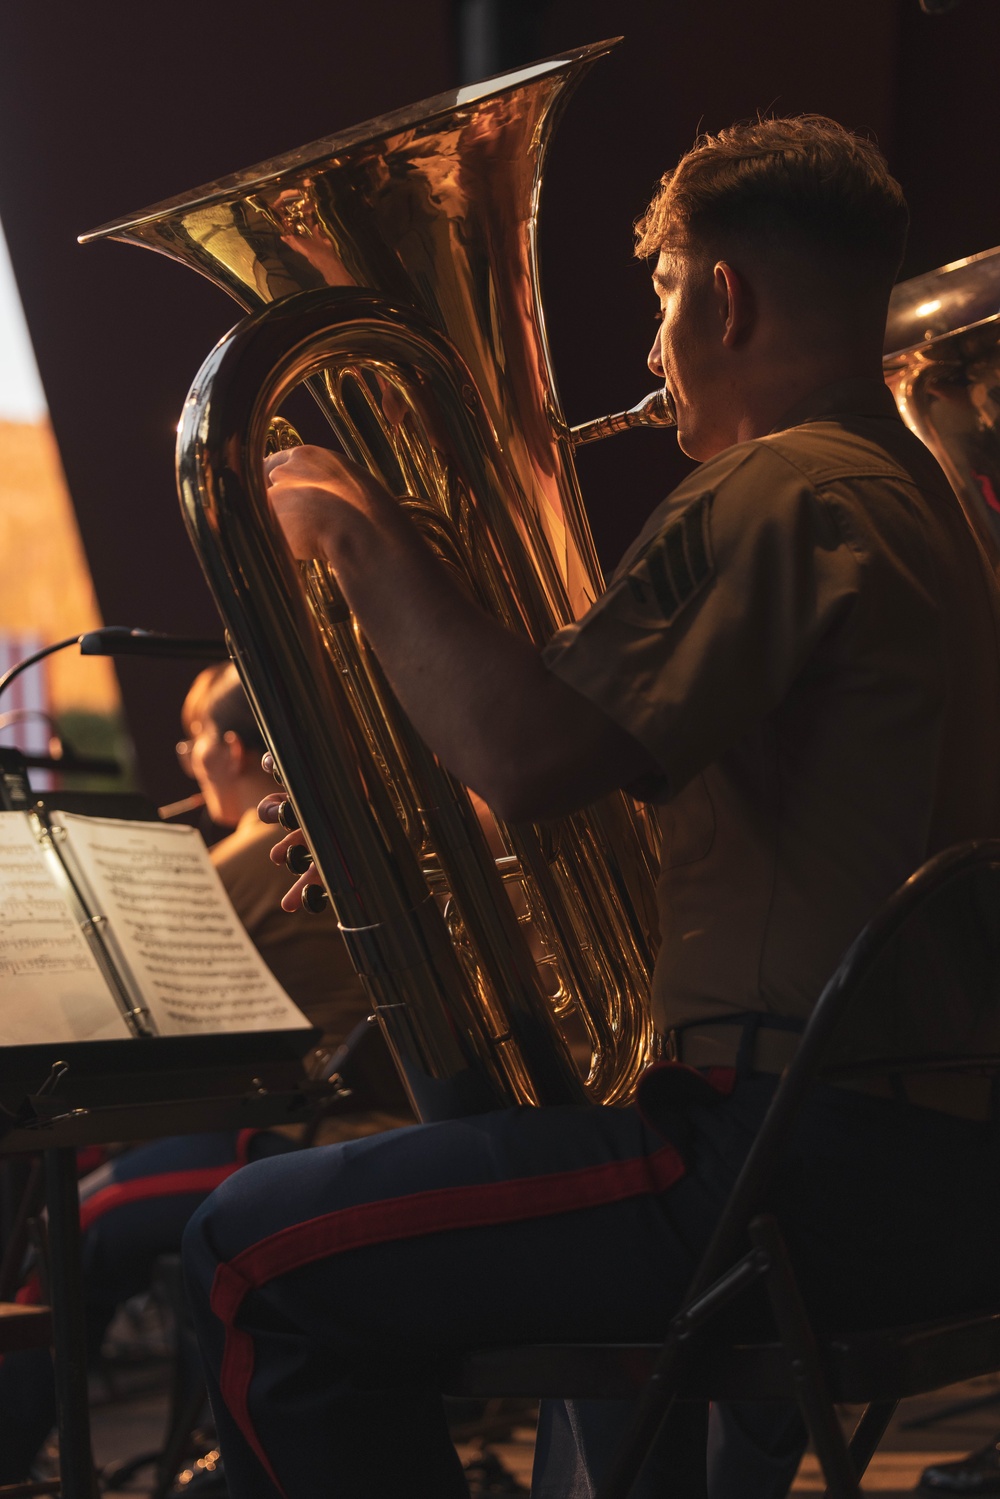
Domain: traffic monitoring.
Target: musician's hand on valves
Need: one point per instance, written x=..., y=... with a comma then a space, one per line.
x=326, y=505
x=294, y=854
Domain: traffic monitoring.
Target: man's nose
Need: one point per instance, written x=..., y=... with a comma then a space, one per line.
x=653, y=359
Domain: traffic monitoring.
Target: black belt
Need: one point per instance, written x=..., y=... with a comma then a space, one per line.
x=753, y=1041
x=758, y=1042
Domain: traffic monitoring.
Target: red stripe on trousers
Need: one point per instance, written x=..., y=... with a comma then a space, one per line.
x=244, y=1139
x=409, y=1217
x=139, y=1189
x=119, y=1193
x=142, y=1188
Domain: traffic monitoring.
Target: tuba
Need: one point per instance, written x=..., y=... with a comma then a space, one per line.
x=942, y=364
x=391, y=270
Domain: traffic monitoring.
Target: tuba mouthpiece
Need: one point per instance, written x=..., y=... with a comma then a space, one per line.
x=654, y=410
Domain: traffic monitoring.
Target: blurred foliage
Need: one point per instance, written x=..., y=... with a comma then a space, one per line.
x=104, y=736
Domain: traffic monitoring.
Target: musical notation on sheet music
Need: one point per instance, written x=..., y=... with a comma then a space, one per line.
x=175, y=930
x=51, y=986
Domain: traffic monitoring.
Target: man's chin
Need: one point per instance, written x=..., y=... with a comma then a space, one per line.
x=687, y=441
x=697, y=443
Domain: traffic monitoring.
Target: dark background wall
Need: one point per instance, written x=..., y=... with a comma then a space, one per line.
x=107, y=107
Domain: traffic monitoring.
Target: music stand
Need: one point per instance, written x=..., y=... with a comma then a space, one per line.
x=56, y=1097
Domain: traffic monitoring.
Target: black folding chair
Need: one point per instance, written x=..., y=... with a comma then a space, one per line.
x=939, y=935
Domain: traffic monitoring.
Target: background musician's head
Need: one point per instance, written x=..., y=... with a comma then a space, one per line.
x=777, y=245
x=223, y=745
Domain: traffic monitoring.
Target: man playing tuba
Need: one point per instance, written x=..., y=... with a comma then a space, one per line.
x=797, y=663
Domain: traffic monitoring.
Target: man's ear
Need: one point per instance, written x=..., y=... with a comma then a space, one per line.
x=240, y=759
x=736, y=304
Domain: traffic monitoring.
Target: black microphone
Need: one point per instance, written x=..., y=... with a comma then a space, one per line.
x=122, y=640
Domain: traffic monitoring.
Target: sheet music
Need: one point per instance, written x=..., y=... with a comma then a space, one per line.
x=177, y=936
x=51, y=987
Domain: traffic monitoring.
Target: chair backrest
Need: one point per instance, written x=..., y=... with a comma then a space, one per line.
x=918, y=990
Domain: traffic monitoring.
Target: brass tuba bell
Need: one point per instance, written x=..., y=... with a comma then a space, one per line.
x=393, y=271
x=942, y=364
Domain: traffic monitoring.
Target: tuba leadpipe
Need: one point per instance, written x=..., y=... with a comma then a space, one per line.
x=392, y=269
x=654, y=410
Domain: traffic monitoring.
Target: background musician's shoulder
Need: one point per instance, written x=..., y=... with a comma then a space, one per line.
x=254, y=885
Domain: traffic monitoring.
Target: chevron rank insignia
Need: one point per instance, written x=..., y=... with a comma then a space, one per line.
x=675, y=564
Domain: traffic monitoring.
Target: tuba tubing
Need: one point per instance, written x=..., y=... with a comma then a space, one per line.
x=454, y=1054
x=654, y=410
x=394, y=271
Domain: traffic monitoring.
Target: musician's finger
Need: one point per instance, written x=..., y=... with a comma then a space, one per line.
x=299, y=453
x=267, y=808
x=280, y=849
x=306, y=461
x=318, y=468
x=292, y=899
x=267, y=763
x=275, y=460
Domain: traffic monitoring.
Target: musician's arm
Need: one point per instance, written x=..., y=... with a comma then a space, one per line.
x=482, y=698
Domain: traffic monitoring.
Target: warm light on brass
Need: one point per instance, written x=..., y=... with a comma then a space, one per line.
x=398, y=261
x=942, y=364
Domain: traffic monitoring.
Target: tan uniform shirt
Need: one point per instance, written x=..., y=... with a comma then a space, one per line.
x=805, y=638
x=305, y=953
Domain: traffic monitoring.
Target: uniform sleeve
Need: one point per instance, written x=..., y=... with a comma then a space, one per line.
x=711, y=620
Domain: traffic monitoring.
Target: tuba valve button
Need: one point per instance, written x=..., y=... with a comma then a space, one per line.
x=298, y=858
x=286, y=816
x=314, y=899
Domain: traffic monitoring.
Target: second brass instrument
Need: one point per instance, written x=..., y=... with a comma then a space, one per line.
x=393, y=268
x=942, y=364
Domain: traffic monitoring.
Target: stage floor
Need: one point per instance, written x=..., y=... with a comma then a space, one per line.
x=132, y=1422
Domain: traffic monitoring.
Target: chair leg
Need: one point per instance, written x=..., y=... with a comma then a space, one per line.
x=811, y=1391
x=178, y=1442
x=188, y=1395
x=657, y=1399
x=654, y=1408
x=869, y=1432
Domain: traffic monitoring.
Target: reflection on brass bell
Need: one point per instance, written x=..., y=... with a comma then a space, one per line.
x=286, y=816
x=314, y=899
x=298, y=858
x=281, y=436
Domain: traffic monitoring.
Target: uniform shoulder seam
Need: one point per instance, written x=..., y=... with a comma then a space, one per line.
x=836, y=512
x=898, y=472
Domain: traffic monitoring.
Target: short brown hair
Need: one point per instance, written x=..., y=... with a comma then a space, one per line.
x=217, y=694
x=803, y=180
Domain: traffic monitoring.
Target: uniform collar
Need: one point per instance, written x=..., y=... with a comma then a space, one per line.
x=249, y=829
x=250, y=826
x=848, y=398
